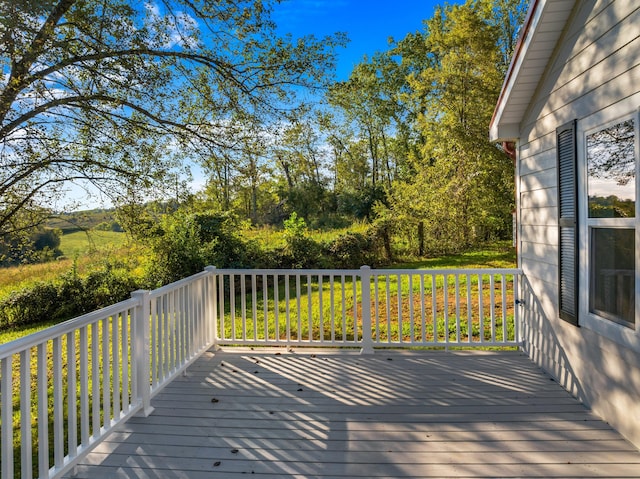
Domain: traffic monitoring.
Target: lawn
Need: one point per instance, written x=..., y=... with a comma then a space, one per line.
x=85, y=242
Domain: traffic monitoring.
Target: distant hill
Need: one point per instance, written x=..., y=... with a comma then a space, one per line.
x=81, y=220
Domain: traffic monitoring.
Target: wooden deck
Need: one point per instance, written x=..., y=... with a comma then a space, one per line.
x=335, y=414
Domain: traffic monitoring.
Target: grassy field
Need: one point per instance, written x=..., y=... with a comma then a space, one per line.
x=82, y=251
x=86, y=242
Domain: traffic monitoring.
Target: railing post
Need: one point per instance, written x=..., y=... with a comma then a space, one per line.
x=212, y=304
x=140, y=354
x=517, y=317
x=365, y=285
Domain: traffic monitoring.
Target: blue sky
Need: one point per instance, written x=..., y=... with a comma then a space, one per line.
x=368, y=23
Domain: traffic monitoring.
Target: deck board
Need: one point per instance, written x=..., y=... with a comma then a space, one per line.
x=335, y=414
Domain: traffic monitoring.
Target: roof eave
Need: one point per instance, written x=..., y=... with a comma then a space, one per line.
x=506, y=118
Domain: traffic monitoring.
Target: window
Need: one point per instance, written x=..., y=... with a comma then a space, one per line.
x=608, y=220
x=611, y=198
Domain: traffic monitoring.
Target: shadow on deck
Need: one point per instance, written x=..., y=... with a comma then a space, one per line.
x=335, y=414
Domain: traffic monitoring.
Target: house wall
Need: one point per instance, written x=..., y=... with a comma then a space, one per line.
x=595, y=65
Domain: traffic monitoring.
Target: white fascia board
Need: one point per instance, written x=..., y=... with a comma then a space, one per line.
x=504, y=132
x=514, y=70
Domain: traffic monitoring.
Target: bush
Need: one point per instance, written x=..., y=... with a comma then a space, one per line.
x=29, y=306
x=300, y=250
x=70, y=297
x=351, y=250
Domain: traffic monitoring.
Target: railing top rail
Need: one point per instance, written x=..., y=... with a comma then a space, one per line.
x=291, y=271
x=31, y=340
x=378, y=272
x=167, y=288
x=447, y=271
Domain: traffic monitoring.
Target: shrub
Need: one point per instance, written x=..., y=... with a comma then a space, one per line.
x=300, y=250
x=71, y=296
x=351, y=250
x=29, y=306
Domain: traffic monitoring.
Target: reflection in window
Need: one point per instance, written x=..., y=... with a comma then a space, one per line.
x=611, y=167
x=612, y=285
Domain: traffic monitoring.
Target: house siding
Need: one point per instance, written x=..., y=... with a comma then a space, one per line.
x=595, y=65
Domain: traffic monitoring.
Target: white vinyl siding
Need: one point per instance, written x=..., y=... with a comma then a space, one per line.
x=593, y=73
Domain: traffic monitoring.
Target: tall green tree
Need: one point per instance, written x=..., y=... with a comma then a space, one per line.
x=462, y=189
x=110, y=92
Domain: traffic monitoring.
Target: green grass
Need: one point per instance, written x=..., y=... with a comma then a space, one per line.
x=496, y=255
x=86, y=242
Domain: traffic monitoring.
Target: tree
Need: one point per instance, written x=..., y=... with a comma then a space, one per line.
x=112, y=92
x=461, y=191
x=370, y=101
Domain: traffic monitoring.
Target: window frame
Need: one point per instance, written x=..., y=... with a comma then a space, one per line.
x=623, y=334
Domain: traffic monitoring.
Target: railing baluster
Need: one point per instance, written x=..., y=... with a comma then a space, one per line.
x=376, y=310
x=399, y=298
x=95, y=380
x=423, y=318
x=254, y=306
x=299, y=307
x=72, y=396
x=344, y=307
x=222, y=332
x=186, y=326
x=388, y=307
x=159, y=346
x=493, y=306
x=43, y=411
x=232, y=304
x=168, y=340
x=84, y=387
x=115, y=364
x=457, y=276
x=287, y=308
x=516, y=311
x=309, y=309
x=265, y=304
x=504, y=306
x=354, y=283
x=445, y=294
x=243, y=305
x=333, y=308
x=6, y=417
x=481, y=305
x=321, y=307
x=156, y=310
x=124, y=351
x=106, y=375
x=434, y=307
x=276, y=306
x=469, y=310
x=412, y=328
x=26, y=461
x=58, y=403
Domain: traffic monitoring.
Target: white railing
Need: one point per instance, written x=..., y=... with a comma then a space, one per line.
x=367, y=308
x=63, y=389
